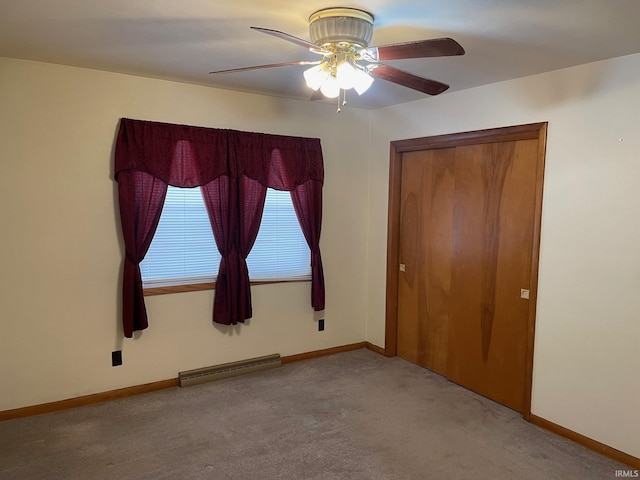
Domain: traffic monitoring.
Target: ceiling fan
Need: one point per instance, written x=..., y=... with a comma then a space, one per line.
x=342, y=36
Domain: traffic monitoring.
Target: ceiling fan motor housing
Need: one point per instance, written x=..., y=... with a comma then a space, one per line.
x=341, y=25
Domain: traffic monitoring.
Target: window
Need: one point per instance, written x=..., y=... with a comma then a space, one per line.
x=149, y=156
x=183, y=250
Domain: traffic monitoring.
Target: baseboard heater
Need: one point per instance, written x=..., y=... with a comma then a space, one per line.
x=226, y=370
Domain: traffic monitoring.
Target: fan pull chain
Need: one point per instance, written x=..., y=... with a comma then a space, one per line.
x=342, y=102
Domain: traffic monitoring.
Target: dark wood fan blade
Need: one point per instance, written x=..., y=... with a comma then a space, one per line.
x=260, y=67
x=409, y=80
x=289, y=38
x=438, y=47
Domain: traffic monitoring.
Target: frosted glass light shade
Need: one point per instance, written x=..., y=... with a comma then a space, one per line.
x=361, y=81
x=330, y=88
x=345, y=74
x=316, y=76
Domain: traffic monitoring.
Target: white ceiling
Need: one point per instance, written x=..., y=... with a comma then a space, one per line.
x=185, y=39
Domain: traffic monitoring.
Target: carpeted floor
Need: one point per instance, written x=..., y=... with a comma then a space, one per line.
x=355, y=415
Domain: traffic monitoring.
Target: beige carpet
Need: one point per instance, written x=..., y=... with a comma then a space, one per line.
x=355, y=415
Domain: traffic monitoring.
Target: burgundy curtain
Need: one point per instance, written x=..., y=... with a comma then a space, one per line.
x=235, y=215
x=283, y=163
x=251, y=197
x=218, y=198
x=307, y=202
x=141, y=197
x=148, y=157
x=234, y=170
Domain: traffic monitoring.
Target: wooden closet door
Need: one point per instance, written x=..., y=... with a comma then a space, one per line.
x=493, y=229
x=427, y=199
x=464, y=235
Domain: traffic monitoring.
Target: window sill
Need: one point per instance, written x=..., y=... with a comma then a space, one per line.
x=197, y=287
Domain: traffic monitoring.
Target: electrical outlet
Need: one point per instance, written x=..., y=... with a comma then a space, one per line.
x=321, y=325
x=116, y=358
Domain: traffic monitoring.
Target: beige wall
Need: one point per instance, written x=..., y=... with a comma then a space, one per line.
x=61, y=250
x=587, y=351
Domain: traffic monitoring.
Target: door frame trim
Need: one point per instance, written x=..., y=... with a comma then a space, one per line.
x=530, y=131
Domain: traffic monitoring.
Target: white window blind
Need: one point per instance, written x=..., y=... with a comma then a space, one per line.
x=183, y=249
x=280, y=251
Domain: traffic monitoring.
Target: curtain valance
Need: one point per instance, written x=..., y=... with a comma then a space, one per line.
x=276, y=161
x=187, y=156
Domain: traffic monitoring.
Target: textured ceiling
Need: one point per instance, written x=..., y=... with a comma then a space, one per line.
x=184, y=40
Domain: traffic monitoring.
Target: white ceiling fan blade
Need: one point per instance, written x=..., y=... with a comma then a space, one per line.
x=290, y=38
x=260, y=67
